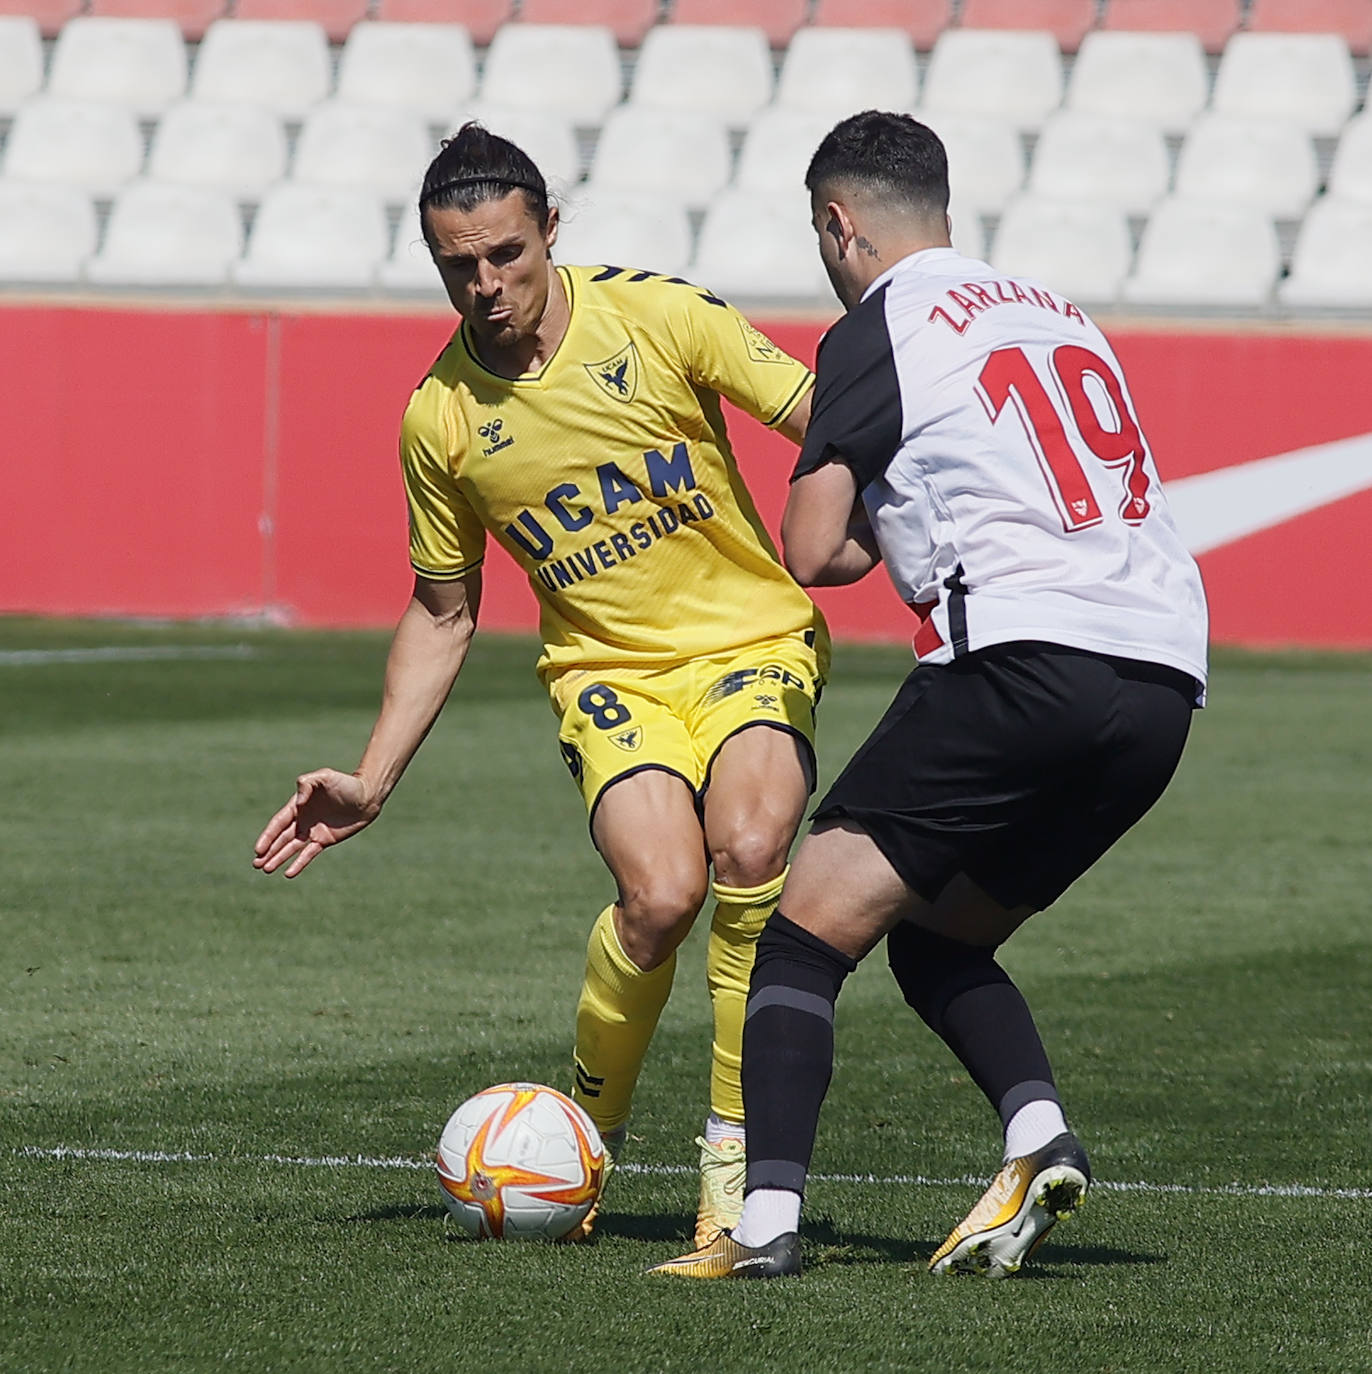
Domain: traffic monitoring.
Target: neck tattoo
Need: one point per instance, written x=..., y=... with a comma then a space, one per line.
x=868, y=247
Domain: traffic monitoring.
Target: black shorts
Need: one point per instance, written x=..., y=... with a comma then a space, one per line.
x=1018, y=765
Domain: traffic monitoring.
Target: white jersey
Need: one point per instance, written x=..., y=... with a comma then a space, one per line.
x=1011, y=491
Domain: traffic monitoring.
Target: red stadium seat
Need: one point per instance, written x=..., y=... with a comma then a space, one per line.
x=628, y=20
x=1212, y=21
x=1067, y=20
x=194, y=16
x=481, y=17
x=923, y=20
x=778, y=19
x=1351, y=19
x=335, y=17
x=50, y=14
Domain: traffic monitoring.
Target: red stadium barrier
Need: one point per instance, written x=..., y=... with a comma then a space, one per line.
x=203, y=463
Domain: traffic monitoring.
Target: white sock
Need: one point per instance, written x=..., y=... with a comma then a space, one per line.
x=1032, y=1127
x=767, y=1214
x=717, y=1129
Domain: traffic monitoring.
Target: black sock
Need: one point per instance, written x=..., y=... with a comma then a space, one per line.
x=968, y=1000
x=788, y=1049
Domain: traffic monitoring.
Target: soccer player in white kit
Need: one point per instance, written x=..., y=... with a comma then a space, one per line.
x=974, y=432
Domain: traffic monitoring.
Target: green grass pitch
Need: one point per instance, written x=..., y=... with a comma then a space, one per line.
x=1204, y=993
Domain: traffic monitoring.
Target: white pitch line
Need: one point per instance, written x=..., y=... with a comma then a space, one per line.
x=60, y=1152
x=123, y=653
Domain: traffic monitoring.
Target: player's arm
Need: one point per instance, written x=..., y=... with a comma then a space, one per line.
x=427, y=652
x=795, y=424
x=824, y=530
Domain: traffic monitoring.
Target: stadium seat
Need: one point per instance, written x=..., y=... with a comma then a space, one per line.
x=922, y=20
x=368, y=147
x=1081, y=250
x=239, y=149
x=1212, y=21
x=1350, y=19
x=1259, y=162
x=87, y=144
x=160, y=235
x=427, y=68
x=409, y=268
x=720, y=71
x=676, y=154
x=761, y=246
x=481, y=18
x=985, y=159
x=1068, y=21
x=1156, y=77
x=335, y=17
x=628, y=20
x=1350, y=177
x=994, y=74
x=46, y=231
x=21, y=61
x=571, y=69
x=1200, y=253
x=192, y=17
x=547, y=137
x=1303, y=78
x=969, y=234
x=282, y=65
x=777, y=149
x=1331, y=265
x=49, y=15
x=313, y=237
x=838, y=71
x=778, y=19
x=1121, y=163
x=138, y=63
x=625, y=230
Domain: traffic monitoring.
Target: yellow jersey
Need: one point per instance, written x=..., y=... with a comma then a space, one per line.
x=609, y=478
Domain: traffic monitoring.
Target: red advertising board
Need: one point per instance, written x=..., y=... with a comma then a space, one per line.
x=198, y=462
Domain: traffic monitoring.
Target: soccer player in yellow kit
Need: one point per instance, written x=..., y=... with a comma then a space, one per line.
x=575, y=416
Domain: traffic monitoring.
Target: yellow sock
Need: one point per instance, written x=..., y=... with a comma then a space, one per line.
x=615, y=1020
x=739, y=916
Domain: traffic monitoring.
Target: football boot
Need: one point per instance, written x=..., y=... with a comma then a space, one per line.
x=725, y=1258
x=723, y=1168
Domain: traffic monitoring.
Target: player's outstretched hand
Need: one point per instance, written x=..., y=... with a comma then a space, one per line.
x=328, y=806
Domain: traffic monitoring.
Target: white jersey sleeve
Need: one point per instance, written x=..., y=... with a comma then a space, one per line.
x=1010, y=488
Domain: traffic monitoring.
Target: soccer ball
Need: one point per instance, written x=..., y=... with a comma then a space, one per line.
x=520, y=1161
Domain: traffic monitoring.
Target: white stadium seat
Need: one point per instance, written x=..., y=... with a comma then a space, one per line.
x=777, y=149
x=1118, y=162
x=280, y=64
x=644, y=232
x=427, y=68
x=312, y=237
x=839, y=71
x=993, y=73
x=85, y=143
x=161, y=235
x=1303, y=78
x=677, y=154
x=140, y=63
x=1331, y=265
x=761, y=246
x=369, y=147
x=1350, y=178
x=410, y=268
x=985, y=159
x=1079, y=249
x=1259, y=162
x=546, y=136
x=1201, y=253
x=572, y=69
x=724, y=72
x=1159, y=78
x=21, y=61
x=46, y=231
x=240, y=149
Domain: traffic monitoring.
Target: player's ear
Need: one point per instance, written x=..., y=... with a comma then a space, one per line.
x=839, y=226
x=550, y=232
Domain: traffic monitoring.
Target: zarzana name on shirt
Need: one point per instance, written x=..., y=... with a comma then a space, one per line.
x=986, y=295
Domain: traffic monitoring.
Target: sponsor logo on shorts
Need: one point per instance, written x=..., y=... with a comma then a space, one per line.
x=742, y=678
x=767, y=701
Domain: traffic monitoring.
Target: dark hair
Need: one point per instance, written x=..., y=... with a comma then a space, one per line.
x=893, y=157
x=476, y=165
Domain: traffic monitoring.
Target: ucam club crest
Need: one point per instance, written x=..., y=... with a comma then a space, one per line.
x=617, y=376
x=629, y=739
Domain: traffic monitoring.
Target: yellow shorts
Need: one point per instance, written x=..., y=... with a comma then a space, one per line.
x=624, y=720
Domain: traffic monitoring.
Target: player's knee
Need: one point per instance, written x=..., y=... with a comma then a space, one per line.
x=657, y=911
x=750, y=854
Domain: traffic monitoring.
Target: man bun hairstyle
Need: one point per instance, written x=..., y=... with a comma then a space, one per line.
x=892, y=157
x=475, y=166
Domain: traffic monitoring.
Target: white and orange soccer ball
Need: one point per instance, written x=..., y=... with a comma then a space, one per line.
x=520, y=1161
